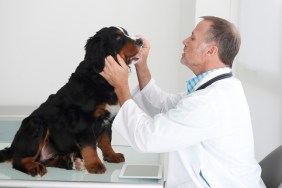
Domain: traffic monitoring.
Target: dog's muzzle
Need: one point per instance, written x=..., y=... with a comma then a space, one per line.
x=139, y=42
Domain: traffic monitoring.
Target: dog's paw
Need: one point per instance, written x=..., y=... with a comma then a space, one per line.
x=98, y=168
x=78, y=164
x=115, y=158
x=37, y=169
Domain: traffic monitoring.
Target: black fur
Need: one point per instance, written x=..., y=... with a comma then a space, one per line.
x=74, y=121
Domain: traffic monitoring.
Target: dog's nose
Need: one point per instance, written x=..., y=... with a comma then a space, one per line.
x=139, y=42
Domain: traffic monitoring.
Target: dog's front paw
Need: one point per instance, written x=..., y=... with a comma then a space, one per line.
x=115, y=158
x=98, y=168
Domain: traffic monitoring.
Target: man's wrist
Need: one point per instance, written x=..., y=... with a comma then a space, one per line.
x=123, y=94
x=143, y=74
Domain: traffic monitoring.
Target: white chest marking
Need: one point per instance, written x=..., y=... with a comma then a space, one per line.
x=113, y=109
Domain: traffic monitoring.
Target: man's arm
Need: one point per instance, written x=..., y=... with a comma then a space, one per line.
x=143, y=74
x=142, y=70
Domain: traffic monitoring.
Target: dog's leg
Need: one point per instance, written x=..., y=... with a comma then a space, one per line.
x=60, y=161
x=104, y=143
x=25, y=158
x=91, y=160
x=30, y=166
x=86, y=142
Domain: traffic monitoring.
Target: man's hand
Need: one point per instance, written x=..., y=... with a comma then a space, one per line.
x=117, y=75
x=144, y=51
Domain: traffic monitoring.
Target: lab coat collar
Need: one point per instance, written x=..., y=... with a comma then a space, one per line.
x=212, y=75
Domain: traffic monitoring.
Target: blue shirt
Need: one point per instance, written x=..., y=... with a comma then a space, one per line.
x=193, y=82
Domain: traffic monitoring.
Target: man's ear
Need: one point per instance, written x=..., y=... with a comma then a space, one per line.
x=212, y=50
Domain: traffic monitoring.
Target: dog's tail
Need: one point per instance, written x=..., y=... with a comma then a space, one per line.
x=6, y=154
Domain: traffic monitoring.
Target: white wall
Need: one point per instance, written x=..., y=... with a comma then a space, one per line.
x=227, y=9
x=259, y=66
x=42, y=41
x=187, y=24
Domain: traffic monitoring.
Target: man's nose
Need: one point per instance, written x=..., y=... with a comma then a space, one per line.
x=184, y=42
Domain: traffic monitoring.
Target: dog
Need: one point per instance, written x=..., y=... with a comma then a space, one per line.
x=72, y=123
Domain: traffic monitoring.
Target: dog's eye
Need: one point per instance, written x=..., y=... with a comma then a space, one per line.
x=118, y=37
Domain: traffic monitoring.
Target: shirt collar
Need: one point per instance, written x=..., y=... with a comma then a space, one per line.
x=191, y=84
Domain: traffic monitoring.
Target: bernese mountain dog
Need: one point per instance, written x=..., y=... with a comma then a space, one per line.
x=72, y=123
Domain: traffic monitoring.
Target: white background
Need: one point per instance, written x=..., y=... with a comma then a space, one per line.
x=42, y=42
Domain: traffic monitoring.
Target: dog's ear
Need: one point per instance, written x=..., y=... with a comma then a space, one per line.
x=95, y=53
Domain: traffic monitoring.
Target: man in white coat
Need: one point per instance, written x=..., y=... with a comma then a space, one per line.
x=206, y=130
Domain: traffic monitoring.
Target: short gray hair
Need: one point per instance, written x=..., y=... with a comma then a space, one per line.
x=226, y=36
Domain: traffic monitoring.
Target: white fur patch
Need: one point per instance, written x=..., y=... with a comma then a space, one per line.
x=78, y=164
x=132, y=37
x=113, y=109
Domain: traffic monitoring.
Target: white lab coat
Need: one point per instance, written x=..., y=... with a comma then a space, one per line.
x=208, y=133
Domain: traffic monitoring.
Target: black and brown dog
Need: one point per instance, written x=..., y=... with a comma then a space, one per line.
x=75, y=120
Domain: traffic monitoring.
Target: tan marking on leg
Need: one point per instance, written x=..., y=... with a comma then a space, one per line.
x=91, y=160
x=104, y=143
x=29, y=163
x=33, y=168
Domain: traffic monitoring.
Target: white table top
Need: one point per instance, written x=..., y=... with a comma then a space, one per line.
x=71, y=178
x=56, y=177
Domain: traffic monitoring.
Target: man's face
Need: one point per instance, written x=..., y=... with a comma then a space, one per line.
x=194, y=47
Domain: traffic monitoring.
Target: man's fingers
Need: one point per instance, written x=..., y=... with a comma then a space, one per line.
x=111, y=62
x=112, y=66
x=121, y=61
x=110, y=59
x=102, y=73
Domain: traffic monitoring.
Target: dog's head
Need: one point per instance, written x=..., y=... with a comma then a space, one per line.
x=111, y=41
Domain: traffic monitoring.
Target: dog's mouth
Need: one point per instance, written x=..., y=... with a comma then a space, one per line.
x=131, y=53
x=133, y=60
